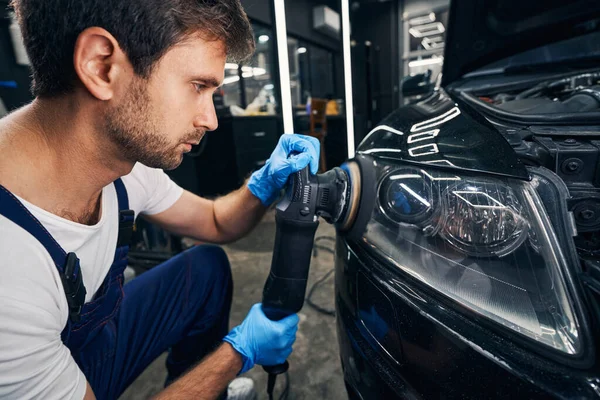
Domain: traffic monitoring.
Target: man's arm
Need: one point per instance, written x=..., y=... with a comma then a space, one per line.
x=257, y=340
x=231, y=217
x=89, y=393
x=207, y=380
x=223, y=220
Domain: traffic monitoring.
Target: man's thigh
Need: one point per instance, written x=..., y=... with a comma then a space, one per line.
x=189, y=292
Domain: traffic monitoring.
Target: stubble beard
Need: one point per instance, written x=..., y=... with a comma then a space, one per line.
x=131, y=127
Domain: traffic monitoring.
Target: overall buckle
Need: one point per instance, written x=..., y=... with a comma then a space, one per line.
x=126, y=222
x=74, y=287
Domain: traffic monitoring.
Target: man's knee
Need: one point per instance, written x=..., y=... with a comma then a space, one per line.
x=209, y=262
x=209, y=282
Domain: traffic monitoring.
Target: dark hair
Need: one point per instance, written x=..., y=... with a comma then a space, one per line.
x=145, y=30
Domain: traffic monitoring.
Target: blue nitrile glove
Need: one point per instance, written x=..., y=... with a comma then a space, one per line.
x=267, y=182
x=262, y=341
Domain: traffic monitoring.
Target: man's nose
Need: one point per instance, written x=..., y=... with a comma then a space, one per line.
x=207, y=117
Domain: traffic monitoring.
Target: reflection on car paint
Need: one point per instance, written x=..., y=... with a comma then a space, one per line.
x=450, y=138
x=418, y=137
x=439, y=120
x=385, y=128
x=420, y=152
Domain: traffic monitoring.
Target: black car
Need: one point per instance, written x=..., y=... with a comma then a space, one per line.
x=478, y=272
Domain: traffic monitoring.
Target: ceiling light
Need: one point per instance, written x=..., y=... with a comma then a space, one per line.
x=284, y=67
x=263, y=39
x=422, y=20
x=434, y=28
x=427, y=61
x=349, y=102
x=301, y=50
x=230, y=79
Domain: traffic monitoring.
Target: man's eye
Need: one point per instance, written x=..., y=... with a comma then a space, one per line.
x=199, y=87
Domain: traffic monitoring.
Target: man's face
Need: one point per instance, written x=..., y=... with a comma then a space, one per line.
x=156, y=120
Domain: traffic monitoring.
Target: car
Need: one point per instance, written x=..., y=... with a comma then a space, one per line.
x=477, y=275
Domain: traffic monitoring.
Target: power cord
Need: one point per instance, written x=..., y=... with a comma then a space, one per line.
x=309, y=301
x=271, y=385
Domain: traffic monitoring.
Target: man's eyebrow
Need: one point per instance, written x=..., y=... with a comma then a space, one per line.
x=208, y=81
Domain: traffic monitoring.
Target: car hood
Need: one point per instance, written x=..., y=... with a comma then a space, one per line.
x=438, y=132
x=481, y=32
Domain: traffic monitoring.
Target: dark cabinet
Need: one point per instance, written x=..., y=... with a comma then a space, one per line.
x=255, y=139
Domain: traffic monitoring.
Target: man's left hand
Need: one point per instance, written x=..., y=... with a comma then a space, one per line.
x=292, y=154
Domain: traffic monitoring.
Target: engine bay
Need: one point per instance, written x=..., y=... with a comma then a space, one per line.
x=574, y=94
x=569, y=147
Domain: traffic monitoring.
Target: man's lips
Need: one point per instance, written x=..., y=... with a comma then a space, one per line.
x=194, y=142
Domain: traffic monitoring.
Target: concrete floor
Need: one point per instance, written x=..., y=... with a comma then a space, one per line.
x=315, y=371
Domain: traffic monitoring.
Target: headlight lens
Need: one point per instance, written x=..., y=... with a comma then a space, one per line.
x=486, y=243
x=482, y=218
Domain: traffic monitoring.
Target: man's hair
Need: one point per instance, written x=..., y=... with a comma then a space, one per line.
x=144, y=29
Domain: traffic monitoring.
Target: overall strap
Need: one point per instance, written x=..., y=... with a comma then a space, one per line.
x=126, y=216
x=66, y=264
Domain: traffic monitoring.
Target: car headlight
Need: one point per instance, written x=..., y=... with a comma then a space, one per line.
x=485, y=242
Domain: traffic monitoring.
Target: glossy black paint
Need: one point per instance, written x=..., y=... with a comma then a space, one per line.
x=438, y=352
x=443, y=133
x=401, y=339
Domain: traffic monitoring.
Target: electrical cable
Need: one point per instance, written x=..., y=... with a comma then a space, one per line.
x=321, y=280
x=309, y=301
x=325, y=238
x=286, y=390
x=271, y=386
x=316, y=247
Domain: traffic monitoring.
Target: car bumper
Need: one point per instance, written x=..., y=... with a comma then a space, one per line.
x=427, y=350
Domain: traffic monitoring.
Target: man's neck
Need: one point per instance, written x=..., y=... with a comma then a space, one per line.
x=54, y=157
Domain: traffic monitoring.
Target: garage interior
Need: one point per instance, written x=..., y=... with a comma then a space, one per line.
x=382, y=54
x=345, y=66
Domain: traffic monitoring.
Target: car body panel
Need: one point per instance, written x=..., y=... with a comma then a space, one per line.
x=442, y=133
x=400, y=338
x=444, y=354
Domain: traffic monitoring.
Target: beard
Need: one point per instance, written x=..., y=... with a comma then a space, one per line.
x=131, y=126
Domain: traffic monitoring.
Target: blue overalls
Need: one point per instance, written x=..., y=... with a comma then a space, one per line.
x=181, y=305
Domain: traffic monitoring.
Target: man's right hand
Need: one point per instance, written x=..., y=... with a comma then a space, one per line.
x=262, y=341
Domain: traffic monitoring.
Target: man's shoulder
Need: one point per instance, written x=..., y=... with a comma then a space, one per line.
x=150, y=190
x=22, y=255
x=14, y=235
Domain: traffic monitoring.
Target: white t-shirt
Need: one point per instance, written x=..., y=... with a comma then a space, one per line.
x=34, y=363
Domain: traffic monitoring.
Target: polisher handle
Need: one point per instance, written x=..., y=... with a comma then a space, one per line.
x=285, y=288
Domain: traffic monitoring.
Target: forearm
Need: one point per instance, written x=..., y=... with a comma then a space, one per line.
x=233, y=216
x=236, y=214
x=208, y=379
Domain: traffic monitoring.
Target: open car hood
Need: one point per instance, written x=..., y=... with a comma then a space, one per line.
x=481, y=32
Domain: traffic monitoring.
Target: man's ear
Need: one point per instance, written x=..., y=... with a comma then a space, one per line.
x=99, y=62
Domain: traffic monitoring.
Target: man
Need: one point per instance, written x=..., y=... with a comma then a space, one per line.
x=123, y=88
